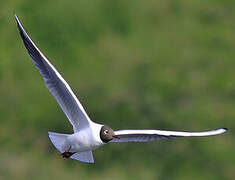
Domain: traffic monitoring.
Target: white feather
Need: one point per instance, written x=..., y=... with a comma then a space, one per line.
x=83, y=156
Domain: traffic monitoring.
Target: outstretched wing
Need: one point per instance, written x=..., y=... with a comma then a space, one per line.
x=151, y=135
x=56, y=84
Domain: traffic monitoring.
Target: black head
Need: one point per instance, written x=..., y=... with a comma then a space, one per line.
x=107, y=134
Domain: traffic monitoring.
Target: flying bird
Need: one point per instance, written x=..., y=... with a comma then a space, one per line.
x=87, y=135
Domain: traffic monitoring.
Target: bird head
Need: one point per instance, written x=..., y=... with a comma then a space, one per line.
x=107, y=134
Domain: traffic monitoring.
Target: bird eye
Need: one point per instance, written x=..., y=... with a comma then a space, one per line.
x=106, y=131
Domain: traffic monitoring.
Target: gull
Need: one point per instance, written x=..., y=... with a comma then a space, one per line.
x=88, y=135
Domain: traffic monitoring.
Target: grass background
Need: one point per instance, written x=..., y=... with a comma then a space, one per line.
x=133, y=64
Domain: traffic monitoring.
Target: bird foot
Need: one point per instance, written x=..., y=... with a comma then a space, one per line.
x=67, y=153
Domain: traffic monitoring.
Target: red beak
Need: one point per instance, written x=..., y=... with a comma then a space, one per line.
x=116, y=136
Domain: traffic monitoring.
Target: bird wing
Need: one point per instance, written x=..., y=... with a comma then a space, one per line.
x=151, y=135
x=58, y=87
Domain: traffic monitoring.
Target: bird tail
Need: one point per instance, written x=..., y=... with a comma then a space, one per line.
x=58, y=140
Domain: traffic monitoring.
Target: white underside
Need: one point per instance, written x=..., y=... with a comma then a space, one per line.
x=82, y=143
x=85, y=140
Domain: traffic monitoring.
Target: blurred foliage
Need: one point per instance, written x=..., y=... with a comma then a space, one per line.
x=165, y=64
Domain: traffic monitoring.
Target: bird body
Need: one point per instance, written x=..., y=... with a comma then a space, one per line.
x=86, y=139
x=88, y=135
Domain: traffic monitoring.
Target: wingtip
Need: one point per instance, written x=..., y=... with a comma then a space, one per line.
x=15, y=15
x=23, y=34
x=225, y=129
x=17, y=20
x=222, y=130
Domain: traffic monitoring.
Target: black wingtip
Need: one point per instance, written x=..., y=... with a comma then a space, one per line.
x=15, y=15
x=226, y=129
x=20, y=28
x=17, y=20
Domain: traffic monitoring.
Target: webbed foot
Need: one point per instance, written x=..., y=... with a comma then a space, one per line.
x=67, y=153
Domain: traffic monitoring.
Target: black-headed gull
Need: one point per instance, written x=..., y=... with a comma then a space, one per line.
x=87, y=135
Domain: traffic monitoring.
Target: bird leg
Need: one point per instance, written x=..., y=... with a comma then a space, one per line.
x=67, y=153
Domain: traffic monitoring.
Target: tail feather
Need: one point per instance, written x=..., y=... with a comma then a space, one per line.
x=58, y=140
x=83, y=156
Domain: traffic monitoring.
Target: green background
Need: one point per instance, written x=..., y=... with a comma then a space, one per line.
x=167, y=64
